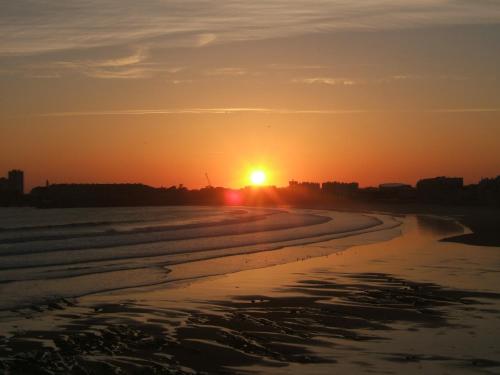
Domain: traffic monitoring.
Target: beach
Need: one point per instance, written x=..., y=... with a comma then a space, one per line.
x=386, y=295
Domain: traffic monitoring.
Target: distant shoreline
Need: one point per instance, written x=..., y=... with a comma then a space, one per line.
x=484, y=222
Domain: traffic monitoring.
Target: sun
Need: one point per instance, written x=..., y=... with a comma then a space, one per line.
x=258, y=177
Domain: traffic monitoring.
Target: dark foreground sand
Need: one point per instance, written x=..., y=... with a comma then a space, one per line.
x=412, y=304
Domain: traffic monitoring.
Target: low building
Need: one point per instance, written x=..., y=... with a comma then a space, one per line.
x=394, y=186
x=341, y=189
x=309, y=186
x=440, y=189
x=397, y=191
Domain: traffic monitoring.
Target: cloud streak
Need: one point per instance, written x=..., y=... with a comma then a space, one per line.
x=131, y=66
x=187, y=111
x=336, y=81
x=38, y=26
x=257, y=110
x=327, y=81
x=228, y=71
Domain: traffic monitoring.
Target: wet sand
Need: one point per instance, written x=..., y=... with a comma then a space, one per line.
x=485, y=226
x=481, y=220
x=410, y=304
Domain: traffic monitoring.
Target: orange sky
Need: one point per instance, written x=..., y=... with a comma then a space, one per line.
x=388, y=92
x=166, y=150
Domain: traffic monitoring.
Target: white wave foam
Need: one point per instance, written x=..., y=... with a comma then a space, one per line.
x=42, y=270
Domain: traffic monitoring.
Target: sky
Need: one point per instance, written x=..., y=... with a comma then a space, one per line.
x=164, y=91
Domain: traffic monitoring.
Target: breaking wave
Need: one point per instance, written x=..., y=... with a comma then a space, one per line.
x=51, y=254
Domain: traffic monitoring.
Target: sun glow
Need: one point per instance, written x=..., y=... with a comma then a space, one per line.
x=258, y=177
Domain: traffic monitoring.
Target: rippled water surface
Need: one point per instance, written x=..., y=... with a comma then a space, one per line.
x=52, y=254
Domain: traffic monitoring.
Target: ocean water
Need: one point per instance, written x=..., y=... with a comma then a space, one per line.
x=47, y=255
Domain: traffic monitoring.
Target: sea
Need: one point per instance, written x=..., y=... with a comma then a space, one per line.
x=49, y=255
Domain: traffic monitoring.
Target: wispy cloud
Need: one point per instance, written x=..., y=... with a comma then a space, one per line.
x=335, y=81
x=37, y=26
x=204, y=39
x=327, y=81
x=137, y=57
x=179, y=81
x=228, y=71
x=181, y=111
x=129, y=73
x=463, y=110
x=295, y=67
x=126, y=67
x=262, y=110
x=131, y=66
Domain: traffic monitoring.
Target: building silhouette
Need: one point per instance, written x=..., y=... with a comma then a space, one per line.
x=4, y=184
x=12, y=189
x=16, y=181
x=396, y=191
x=340, y=189
x=440, y=189
x=304, y=186
x=13, y=183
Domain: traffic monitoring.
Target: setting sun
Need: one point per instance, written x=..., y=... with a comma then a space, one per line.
x=257, y=177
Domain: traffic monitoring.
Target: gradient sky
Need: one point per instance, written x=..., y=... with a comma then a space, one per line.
x=161, y=92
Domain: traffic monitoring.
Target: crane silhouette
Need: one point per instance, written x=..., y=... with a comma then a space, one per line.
x=208, y=180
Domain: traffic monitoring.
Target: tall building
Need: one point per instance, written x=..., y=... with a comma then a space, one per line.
x=4, y=184
x=16, y=181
